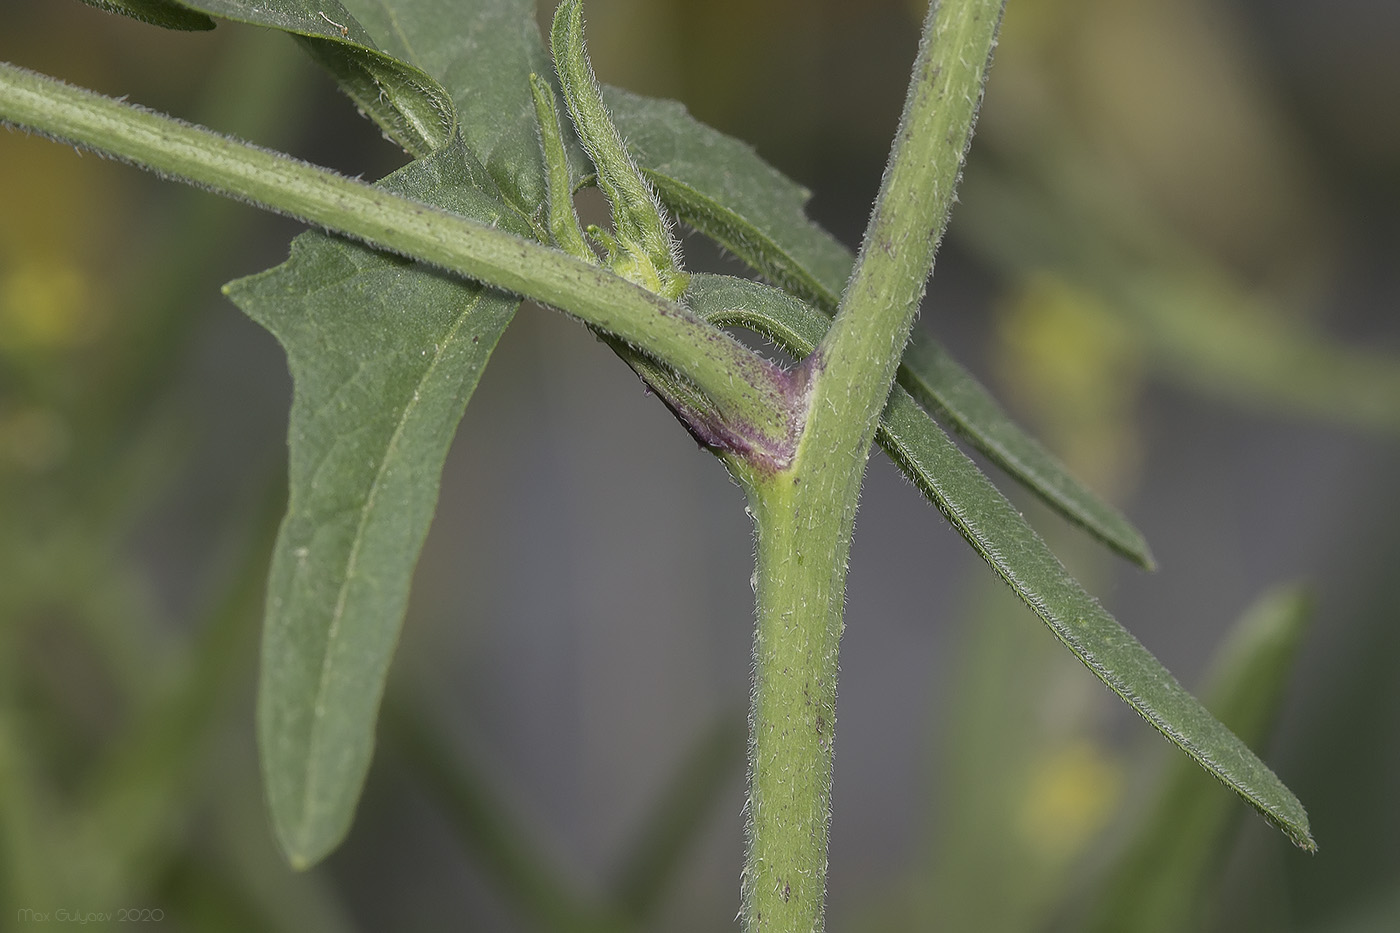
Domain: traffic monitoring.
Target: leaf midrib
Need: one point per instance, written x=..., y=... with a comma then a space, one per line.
x=338, y=614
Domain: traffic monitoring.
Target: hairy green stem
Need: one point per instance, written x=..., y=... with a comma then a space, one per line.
x=855, y=363
x=750, y=394
x=800, y=585
x=804, y=513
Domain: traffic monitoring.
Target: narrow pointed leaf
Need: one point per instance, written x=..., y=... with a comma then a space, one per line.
x=721, y=187
x=384, y=355
x=412, y=108
x=954, y=396
x=997, y=531
x=1163, y=880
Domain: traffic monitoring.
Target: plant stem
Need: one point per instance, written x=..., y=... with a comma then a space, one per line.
x=750, y=393
x=804, y=513
x=854, y=365
x=800, y=588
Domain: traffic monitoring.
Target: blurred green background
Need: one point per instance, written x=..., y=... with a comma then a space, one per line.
x=1174, y=259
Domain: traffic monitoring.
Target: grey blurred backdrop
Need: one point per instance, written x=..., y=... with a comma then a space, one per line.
x=582, y=610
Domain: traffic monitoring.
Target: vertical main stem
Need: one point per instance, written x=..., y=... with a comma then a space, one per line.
x=804, y=514
x=801, y=578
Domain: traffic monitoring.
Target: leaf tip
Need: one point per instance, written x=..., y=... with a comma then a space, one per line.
x=1300, y=834
x=298, y=861
x=1294, y=825
x=304, y=846
x=1142, y=556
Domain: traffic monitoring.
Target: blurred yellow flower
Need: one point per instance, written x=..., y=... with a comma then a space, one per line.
x=45, y=304
x=1077, y=371
x=1069, y=797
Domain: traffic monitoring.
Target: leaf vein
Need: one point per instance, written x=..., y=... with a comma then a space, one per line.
x=352, y=559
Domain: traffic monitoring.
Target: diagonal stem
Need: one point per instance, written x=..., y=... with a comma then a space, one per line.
x=751, y=394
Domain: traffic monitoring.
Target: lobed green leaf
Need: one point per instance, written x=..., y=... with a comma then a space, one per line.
x=384, y=356
x=996, y=530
